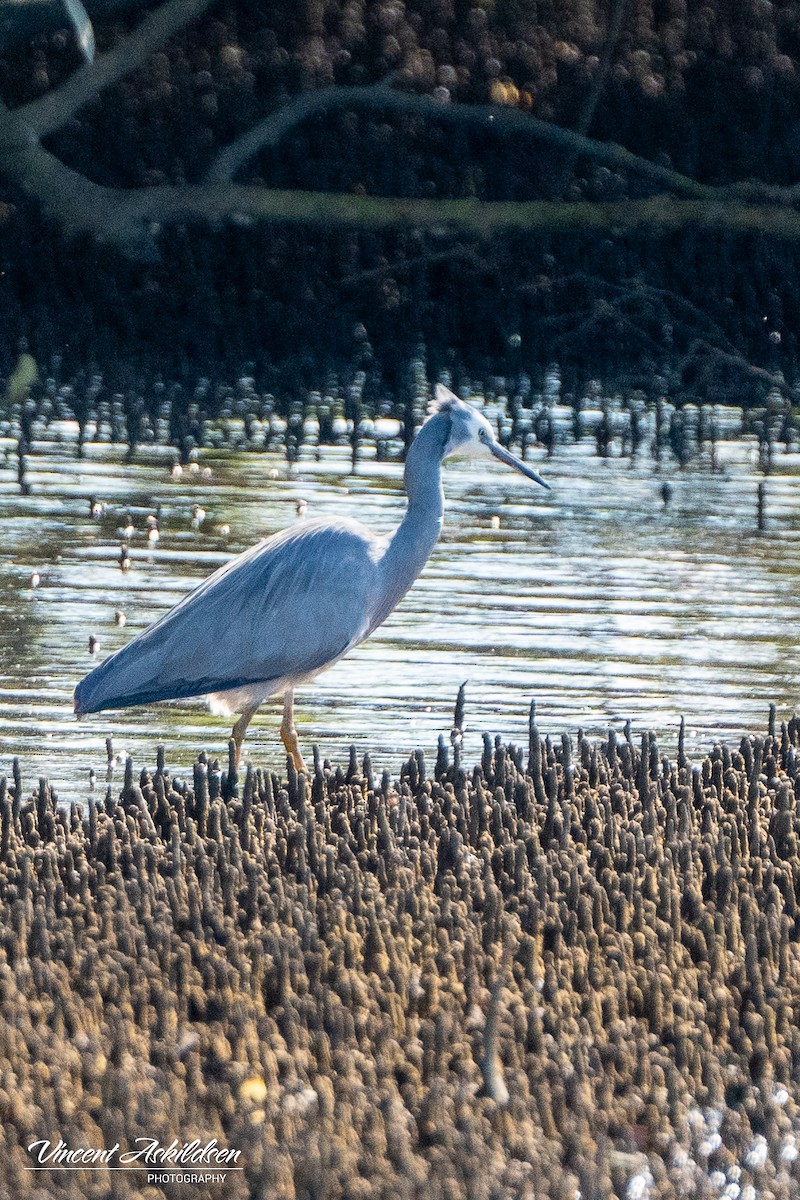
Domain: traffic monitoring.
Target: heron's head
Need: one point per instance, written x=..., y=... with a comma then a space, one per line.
x=471, y=434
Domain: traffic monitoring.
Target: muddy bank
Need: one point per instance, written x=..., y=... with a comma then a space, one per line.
x=571, y=968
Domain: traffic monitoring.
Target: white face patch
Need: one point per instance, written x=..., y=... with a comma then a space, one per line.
x=471, y=434
x=482, y=432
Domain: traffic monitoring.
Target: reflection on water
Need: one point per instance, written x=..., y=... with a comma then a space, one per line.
x=593, y=599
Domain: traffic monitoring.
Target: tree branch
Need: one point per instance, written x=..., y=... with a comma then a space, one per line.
x=74, y=202
x=701, y=350
x=403, y=266
x=634, y=292
x=657, y=216
x=754, y=191
x=487, y=117
x=586, y=117
x=20, y=20
x=609, y=46
x=52, y=111
x=131, y=219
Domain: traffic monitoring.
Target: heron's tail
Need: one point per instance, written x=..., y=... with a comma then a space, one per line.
x=83, y=699
x=104, y=687
x=130, y=677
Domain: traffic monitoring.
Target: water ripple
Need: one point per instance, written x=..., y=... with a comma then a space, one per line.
x=594, y=599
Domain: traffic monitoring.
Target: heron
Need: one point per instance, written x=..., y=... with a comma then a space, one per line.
x=287, y=609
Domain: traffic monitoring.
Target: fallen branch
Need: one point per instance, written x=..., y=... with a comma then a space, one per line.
x=586, y=116
x=132, y=219
x=52, y=111
x=495, y=118
x=76, y=203
x=703, y=353
x=403, y=266
x=627, y=293
x=20, y=20
x=655, y=217
x=609, y=46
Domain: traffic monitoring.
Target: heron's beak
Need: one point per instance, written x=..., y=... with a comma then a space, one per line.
x=505, y=457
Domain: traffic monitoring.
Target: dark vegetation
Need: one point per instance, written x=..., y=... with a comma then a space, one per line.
x=707, y=91
x=363, y=407
x=569, y=969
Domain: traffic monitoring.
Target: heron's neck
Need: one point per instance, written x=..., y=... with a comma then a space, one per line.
x=423, y=475
x=412, y=542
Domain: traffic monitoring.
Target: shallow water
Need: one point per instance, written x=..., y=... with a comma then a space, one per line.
x=591, y=599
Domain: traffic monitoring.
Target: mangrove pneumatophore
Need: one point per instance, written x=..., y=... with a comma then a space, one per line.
x=568, y=969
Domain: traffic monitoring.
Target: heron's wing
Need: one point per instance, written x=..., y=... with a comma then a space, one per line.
x=284, y=609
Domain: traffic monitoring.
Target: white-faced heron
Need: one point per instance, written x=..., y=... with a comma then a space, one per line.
x=292, y=606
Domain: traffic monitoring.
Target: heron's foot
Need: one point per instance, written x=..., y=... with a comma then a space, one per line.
x=289, y=739
x=289, y=733
x=239, y=730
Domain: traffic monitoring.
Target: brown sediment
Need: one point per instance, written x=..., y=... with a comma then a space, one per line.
x=568, y=971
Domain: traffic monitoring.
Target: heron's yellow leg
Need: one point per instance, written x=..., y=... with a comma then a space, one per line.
x=240, y=728
x=289, y=733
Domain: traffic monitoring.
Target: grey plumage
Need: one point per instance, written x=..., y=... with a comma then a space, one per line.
x=289, y=608
x=243, y=625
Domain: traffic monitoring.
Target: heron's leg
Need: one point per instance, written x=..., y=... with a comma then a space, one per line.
x=289, y=733
x=240, y=728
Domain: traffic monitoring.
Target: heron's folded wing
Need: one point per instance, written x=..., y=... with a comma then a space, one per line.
x=286, y=608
